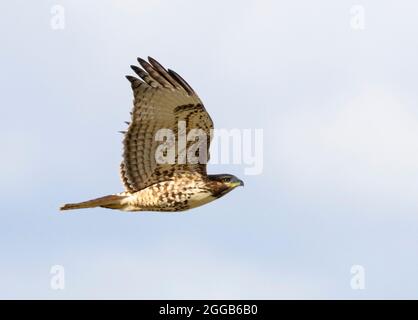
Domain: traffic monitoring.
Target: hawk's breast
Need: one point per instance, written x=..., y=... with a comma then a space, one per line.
x=178, y=193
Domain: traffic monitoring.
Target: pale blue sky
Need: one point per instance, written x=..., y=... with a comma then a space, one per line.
x=340, y=117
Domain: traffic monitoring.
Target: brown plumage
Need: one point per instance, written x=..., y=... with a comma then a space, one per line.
x=163, y=100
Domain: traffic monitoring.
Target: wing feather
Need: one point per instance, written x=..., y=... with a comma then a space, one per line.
x=161, y=70
x=161, y=100
x=154, y=73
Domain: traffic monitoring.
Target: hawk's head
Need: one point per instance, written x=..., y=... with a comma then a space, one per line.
x=224, y=183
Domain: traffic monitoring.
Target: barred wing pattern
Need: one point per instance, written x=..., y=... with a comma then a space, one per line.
x=161, y=99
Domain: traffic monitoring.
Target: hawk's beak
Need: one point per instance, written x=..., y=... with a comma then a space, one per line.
x=236, y=183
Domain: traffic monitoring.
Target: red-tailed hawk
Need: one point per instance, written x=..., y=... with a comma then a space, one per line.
x=163, y=101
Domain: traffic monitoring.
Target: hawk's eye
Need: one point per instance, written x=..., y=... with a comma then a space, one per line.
x=227, y=179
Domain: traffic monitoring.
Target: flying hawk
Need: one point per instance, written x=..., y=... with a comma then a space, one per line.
x=163, y=100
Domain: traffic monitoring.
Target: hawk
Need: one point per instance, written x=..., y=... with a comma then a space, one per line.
x=163, y=100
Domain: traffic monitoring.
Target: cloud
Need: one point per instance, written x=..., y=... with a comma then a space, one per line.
x=184, y=271
x=167, y=270
x=20, y=154
x=366, y=150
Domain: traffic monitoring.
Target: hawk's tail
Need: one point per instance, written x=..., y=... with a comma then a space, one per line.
x=112, y=202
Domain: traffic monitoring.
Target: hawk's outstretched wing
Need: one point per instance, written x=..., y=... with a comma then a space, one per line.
x=161, y=99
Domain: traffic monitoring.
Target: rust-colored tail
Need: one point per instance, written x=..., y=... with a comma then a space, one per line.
x=113, y=202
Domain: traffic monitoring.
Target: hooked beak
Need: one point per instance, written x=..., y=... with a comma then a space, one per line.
x=237, y=183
